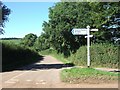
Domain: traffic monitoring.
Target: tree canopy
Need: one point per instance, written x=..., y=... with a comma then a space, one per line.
x=4, y=13
x=65, y=16
x=29, y=40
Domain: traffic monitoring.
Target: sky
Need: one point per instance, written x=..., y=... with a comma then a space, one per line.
x=25, y=18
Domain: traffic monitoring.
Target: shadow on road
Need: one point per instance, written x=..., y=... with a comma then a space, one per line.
x=115, y=71
x=36, y=67
x=18, y=66
x=15, y=56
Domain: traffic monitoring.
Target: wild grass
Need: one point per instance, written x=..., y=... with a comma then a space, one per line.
x=87, y=75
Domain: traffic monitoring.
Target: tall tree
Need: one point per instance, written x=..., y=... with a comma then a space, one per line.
x=42, y=43
x=65, y=16
x=4, y=13
x=29, y=40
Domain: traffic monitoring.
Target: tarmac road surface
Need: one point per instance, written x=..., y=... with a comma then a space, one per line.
x=43, y=74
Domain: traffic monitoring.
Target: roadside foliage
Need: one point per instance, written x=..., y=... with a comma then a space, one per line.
x=14, y=56
x=65, y=16
x=102, y=55
x=57, y=36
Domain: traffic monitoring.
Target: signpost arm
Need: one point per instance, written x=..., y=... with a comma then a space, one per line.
x=84, y=31
x=88, y=46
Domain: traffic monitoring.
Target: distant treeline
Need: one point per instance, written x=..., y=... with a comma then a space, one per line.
x=10, y=38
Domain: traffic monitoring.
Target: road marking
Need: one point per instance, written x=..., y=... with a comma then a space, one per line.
x=37, y=83
x=28, y=80
x=10, y=82
x=41, y=82
x=13, y=78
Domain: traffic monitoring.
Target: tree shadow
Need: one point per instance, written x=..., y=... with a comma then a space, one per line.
x=115, y=71
x=14, y=67
x=35, y=67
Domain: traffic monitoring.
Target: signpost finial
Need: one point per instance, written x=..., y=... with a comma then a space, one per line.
x=88, y=27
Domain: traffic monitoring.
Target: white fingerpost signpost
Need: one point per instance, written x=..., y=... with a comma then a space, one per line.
x=81, y=31
x=84, y=31
x=88, y=46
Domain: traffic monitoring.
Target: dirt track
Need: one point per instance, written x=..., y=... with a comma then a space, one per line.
x=44, y=74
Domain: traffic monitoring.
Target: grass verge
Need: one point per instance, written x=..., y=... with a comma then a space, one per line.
x=87, y=75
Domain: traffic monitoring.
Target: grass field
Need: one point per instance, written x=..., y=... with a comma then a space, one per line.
x=11, y=41
x=87, y=75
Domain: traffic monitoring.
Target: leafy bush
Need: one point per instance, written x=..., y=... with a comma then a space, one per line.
x=102, y=55
x=14, y=56
x=29, y=40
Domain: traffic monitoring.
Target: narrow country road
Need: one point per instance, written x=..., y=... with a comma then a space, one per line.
x=43, y=74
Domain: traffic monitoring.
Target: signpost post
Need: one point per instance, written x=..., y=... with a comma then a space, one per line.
x=88, y=46
x=84, y=31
